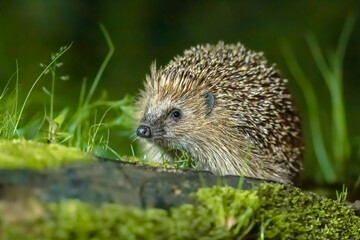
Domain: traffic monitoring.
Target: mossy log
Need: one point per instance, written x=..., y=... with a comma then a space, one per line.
x=115, y=182
x=49, y=192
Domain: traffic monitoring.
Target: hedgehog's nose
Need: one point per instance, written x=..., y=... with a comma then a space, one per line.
x=143, y=131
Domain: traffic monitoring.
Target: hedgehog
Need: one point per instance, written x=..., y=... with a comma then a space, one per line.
x=225, y=107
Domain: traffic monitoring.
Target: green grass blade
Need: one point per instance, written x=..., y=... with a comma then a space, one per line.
x=319, y=59
x=318, y=142
x=343, y=41
x=333, y=77
x=103, y=65
x=34, y=84
x=16, y=89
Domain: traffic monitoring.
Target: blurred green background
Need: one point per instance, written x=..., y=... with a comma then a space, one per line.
x=142, y=31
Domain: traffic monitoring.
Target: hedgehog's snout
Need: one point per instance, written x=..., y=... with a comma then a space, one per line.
x=143, y=131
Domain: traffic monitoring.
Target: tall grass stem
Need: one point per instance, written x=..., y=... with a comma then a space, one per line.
x=34, y=84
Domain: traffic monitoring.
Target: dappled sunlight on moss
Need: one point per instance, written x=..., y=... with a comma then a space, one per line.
x=35, y=155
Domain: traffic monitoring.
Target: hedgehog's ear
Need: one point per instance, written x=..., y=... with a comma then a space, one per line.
x=210, y=101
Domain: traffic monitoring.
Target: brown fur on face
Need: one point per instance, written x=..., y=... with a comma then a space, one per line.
x=248, y=125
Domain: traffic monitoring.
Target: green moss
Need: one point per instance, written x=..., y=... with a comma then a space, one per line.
x=288, y=211
x=182, y=160
x=267, y=212
x=225, y=214
x=141, y=162
x=35, y=155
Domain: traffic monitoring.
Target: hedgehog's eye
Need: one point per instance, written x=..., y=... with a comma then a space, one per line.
x=176, y=114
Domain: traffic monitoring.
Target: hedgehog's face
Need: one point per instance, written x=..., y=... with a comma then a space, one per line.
x=167, y=120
